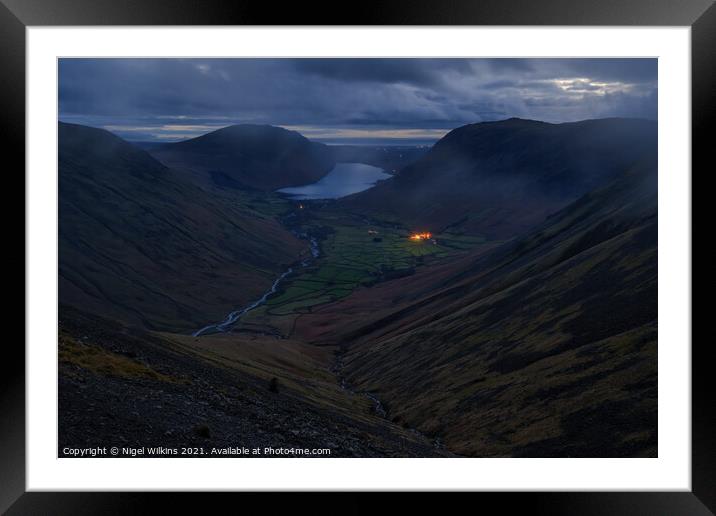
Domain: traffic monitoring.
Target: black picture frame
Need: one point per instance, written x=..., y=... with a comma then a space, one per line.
x=17, y=15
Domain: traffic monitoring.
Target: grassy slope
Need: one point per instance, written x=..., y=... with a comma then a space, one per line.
x=546, y=346
x=142, y=243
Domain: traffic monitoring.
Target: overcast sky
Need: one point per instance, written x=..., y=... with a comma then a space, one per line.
x=347, y=100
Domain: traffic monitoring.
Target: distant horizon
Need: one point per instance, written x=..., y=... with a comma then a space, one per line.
x=345, y=140
x=375, y=101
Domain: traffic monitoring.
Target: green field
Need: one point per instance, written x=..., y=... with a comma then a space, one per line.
x=355, y=252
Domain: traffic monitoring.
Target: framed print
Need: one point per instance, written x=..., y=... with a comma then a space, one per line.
x=417, y=249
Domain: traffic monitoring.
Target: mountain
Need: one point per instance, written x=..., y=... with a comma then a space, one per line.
x=497, y=179
x=250, y=156
x=544, y=346
x=141, y=243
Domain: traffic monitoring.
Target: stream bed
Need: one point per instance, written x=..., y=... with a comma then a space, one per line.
x=233, y=317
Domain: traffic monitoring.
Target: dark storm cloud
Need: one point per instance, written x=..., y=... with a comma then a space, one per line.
x=417, y=72
x=334, y=98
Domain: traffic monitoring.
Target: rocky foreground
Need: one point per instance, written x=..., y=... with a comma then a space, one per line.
x=129, y=389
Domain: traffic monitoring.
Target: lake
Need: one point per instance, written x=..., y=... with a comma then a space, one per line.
x=344, y=179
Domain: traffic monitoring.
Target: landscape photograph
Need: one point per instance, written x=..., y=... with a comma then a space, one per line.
x=357, y=257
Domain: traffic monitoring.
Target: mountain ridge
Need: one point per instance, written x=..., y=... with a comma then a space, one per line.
x=142, y=243
x=498, y=179
x=263, y=157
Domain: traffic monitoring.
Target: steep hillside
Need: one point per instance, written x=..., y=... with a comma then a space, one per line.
x=546, y=346
x=498, y=179
x=250, y=156
x=140, y=243
x=127, y=387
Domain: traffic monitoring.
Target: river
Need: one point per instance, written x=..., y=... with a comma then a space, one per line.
x=233, y=317
x=344, y=179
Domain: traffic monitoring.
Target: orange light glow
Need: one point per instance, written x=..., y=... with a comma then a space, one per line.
x=420, y=236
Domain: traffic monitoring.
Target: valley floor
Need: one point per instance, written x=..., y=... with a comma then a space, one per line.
x=371, y=350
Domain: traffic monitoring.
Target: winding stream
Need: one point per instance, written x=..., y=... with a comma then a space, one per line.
x=233, y=317
x=343, y=179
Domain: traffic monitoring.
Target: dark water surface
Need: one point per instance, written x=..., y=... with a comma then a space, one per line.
x=344, y=179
